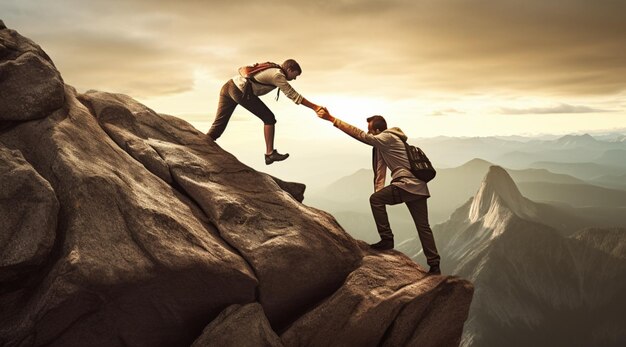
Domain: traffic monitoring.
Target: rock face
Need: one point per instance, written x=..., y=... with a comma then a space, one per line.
x=31, y=86
x=134, y=229
x=29, y=216
x=498, y=195
x=534, y=285
x=239, y=326
x=383, y=304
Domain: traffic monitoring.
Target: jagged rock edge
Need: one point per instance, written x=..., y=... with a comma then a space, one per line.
x=444, y=286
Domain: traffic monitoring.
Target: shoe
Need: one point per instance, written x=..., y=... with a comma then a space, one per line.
x=275, y=156
x=434, y=270
x=383, y=244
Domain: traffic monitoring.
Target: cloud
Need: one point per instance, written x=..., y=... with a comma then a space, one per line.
x=395, y=48
x=445, y=112
x=562, y=108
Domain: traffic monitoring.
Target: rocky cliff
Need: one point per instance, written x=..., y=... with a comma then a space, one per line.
x=535, y=286
x=120, y=226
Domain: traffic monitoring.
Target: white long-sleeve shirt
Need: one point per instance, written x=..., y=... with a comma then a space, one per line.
x=273, y=77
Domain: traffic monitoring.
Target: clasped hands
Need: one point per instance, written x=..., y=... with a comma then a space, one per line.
x=323, y=113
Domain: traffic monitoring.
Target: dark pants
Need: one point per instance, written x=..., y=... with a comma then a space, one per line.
x=392, y=195
x=230, y=97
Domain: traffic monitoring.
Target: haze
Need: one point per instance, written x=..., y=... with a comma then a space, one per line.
x=444, y=67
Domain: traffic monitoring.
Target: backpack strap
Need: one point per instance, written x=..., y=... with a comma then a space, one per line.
x=271, y=65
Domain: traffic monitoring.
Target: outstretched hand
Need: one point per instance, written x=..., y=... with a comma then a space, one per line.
x=323, y=113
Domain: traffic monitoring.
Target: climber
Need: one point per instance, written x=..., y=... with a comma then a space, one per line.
x=389, y=152
x=245, y=89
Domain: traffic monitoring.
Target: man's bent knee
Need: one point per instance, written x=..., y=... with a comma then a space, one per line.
x=375, y=200
x=269, y=121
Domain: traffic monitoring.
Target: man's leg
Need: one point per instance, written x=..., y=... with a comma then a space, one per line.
x=419, y=212
x=268, y=131
x=259, y=109
x=378, y=201
x=225, y=108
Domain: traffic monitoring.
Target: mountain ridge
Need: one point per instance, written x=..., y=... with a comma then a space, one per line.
x=534, y=283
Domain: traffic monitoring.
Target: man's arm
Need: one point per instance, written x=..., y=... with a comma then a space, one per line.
x=281, y=82
x=380, y=171
x=311, y=105
x=349, y=129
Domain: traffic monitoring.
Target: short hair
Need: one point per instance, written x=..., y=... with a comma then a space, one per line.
x=378, y=122
x=292, y=65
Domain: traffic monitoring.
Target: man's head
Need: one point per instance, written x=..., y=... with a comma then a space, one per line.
x=292, y=69
x=376, y=125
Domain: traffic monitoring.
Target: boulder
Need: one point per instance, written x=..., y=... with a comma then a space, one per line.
x=31, y=86
x=239, y=326
x=388, y=301
x=296, y=190
x=139, y=264
x=28, y=217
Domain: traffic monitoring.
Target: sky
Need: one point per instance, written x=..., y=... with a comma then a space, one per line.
x=431, y=67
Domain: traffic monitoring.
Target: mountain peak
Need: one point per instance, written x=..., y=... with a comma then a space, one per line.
x=497, y=197
x=477, y=163
x=576, y=139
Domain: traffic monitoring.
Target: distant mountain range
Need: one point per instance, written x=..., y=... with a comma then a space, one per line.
x=533, y=283
x=452, y=187
x=520, y=152
x=584, y=171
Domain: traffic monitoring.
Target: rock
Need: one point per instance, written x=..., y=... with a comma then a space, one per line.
x=28, y=216
x=296, y=190
x=140, y=263
x=388, y=301
x=239, y=326
x=609, y=240
x=31, y=86
x=298, y=255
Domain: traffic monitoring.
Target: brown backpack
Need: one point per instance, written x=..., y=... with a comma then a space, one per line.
x=248, y=73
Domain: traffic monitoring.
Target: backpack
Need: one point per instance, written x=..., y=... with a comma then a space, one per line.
x=421, y=167
x=248, y=73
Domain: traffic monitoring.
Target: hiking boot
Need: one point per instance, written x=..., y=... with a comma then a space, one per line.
x=383, y=244
x=434, y=270
x=275, y=156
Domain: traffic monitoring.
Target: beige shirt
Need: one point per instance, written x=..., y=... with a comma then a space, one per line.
x=274, y=77
x=390, y=153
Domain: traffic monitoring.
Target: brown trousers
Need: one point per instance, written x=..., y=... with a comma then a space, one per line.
x=230, y=97
x=392, y=195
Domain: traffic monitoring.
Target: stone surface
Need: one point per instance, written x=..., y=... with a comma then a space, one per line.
x=296, y=190
x=140, y=263
x=239, y=326
x=28, y=216
x=272, y=231
x=388, y=301
x=31, y=86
